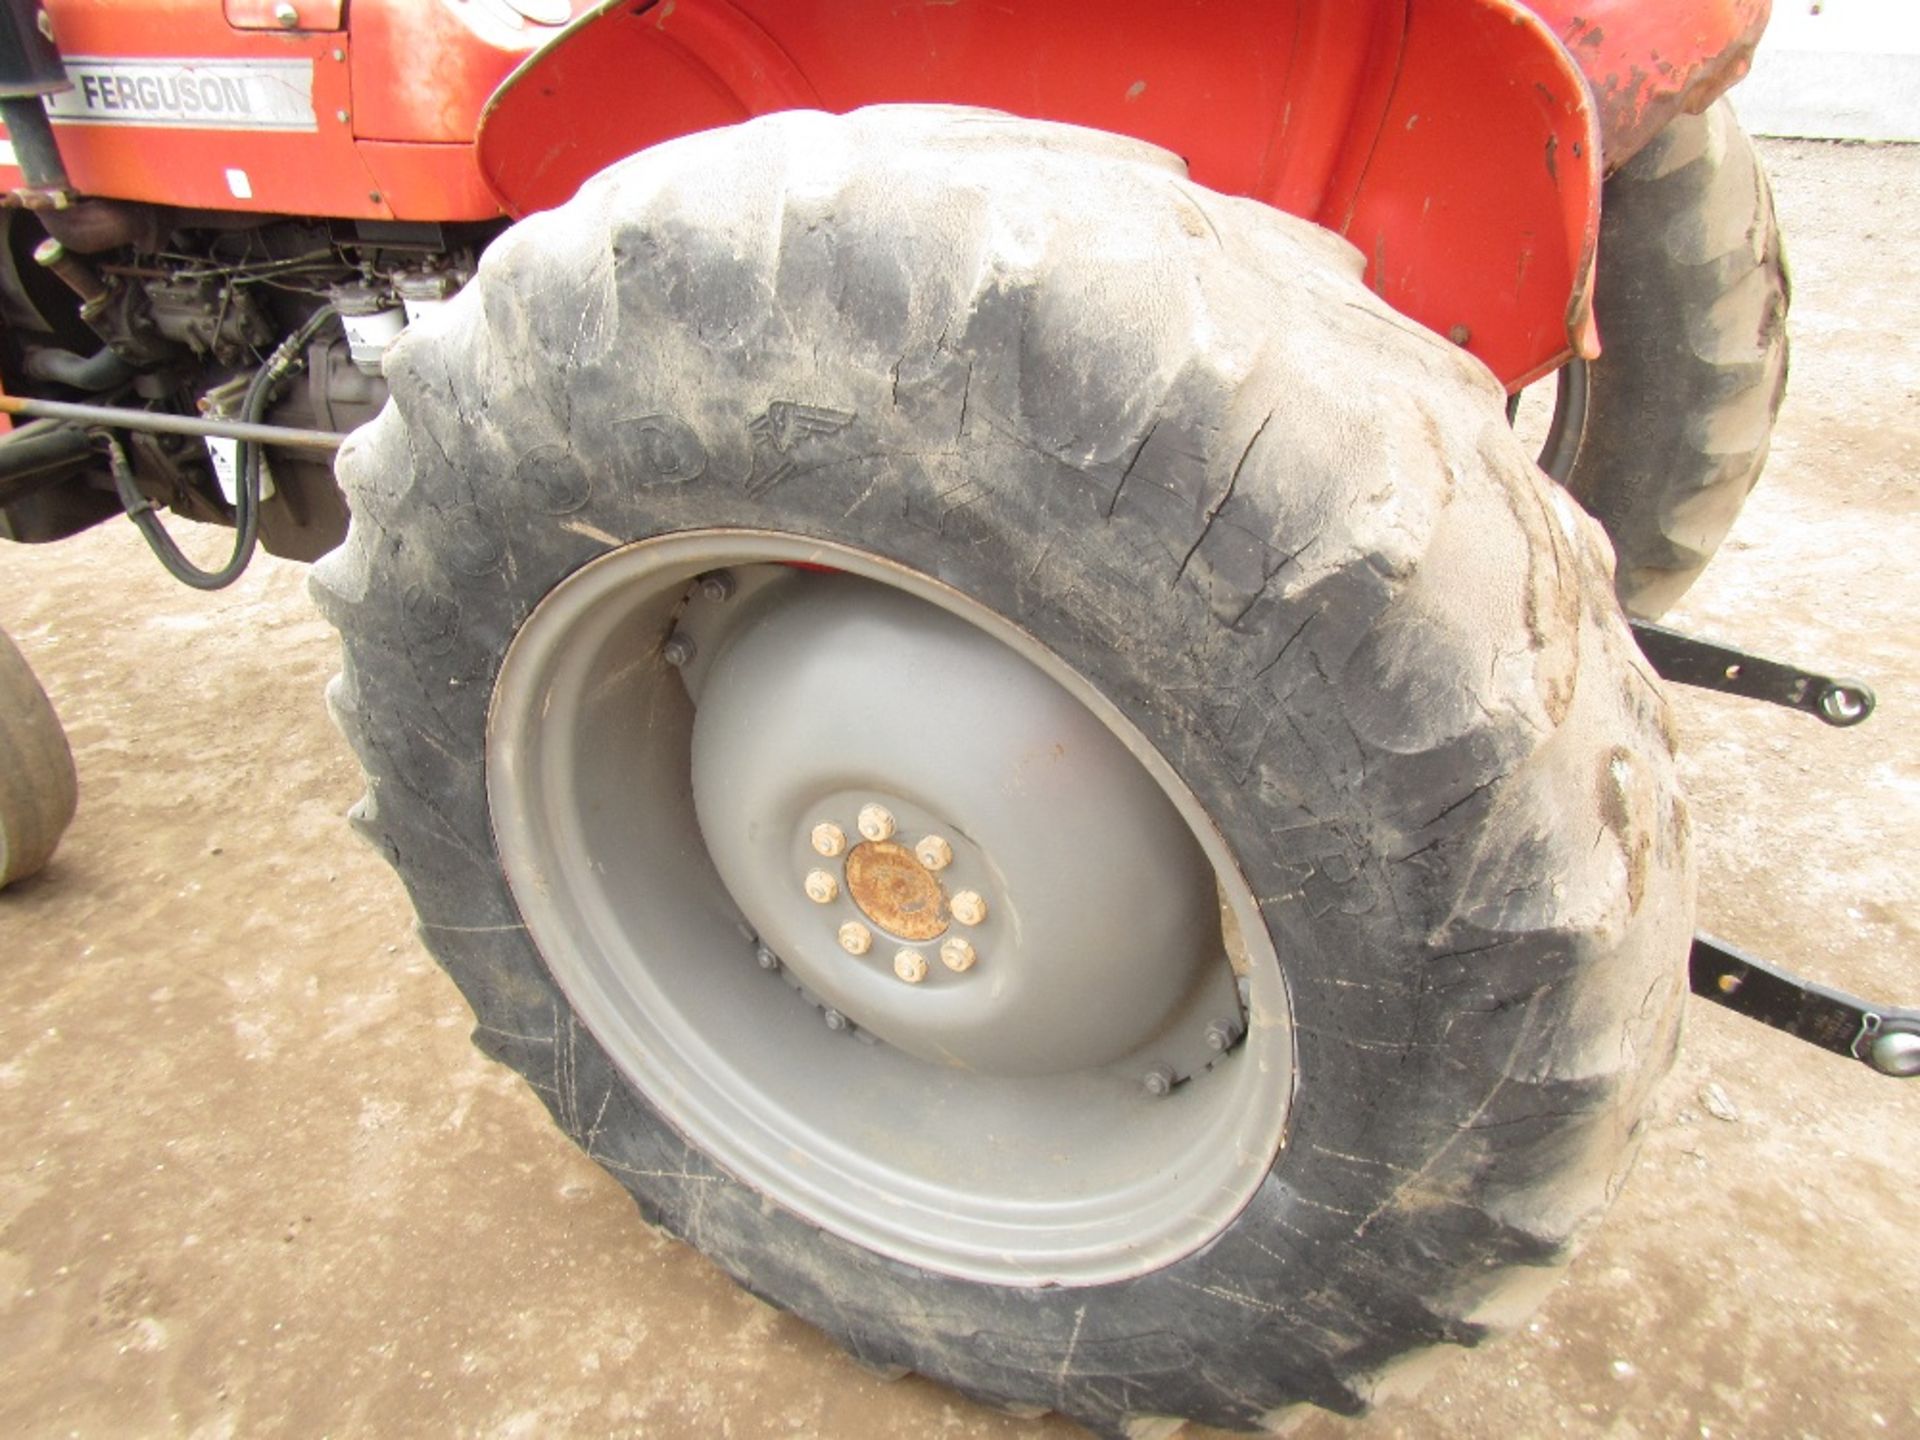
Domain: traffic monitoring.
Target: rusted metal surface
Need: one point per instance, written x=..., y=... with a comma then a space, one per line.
x=1647, y=62
x=895, y=891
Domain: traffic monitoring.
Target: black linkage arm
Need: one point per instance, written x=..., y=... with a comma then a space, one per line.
x=1687, y=660
x=1884, y=1037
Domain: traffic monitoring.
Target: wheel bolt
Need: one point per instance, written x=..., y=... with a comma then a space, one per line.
x=1220, y=1036
x=835, y=1021
x=876, y=822
x=821, y=887
x=828, y=839
x=934, y=852
x=766, y=959
x=678, y=650
x=855, y=938
x=718, y=586
x=910, y=966
x=957, y=955
x=1158, y=1080
x=968, y=908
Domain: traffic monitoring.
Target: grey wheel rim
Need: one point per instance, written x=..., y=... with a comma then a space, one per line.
x=1079, y=1078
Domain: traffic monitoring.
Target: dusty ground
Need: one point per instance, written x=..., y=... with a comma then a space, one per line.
x=254, y=1181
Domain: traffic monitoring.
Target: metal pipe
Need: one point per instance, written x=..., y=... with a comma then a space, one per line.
x=164, y=424
x=34, y=148
x=76, y=274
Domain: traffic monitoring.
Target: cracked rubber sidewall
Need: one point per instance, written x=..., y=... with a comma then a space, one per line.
x=1283, y=529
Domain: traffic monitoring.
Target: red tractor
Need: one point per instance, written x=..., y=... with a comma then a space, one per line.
x=943, y=614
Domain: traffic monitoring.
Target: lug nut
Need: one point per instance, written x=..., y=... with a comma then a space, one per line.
x=678, y=650
x=855, y=938
x=876, y=822
x=968, y=908
x=718, y=586
x=934, y=852
x=828, y=839
x=1158, y=1080
x=766, y=959
x=821, y=887
x=835, y=1021
x=1221, y=1035
x=910, y=966
x=957, y=955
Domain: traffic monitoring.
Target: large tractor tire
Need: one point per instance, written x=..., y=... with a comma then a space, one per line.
x=38, y=787
x=1029, y=767
x=1663, y=437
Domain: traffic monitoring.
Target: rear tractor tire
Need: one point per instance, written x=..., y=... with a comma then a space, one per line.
x=38, y=787
x=1032, y=770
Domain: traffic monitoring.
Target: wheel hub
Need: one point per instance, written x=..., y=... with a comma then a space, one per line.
x=1023, y=899
x=895, y=891
x=1009, y=1166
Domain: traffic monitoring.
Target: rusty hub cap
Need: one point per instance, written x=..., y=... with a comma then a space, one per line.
x=895, y=891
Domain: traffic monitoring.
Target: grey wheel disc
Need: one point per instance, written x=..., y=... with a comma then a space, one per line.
x=861, y=808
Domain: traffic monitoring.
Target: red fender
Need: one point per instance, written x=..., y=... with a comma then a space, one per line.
x=1647, y=62
x=1452, y=141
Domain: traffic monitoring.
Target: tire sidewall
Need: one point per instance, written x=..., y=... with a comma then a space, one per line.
x=486, y=484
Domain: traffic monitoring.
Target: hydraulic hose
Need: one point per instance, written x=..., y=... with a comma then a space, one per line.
x=103, y=370
x=286, y=358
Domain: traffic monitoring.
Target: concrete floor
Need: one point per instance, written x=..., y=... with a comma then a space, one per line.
x=253, y=1180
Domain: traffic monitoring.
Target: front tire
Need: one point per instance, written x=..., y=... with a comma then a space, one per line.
x=38, y=786
x=1273, y=543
